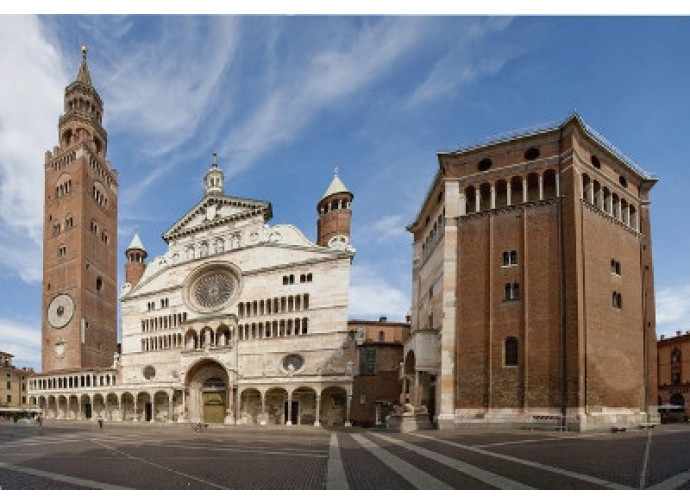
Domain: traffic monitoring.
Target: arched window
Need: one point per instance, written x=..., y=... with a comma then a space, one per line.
x=471, y=198
x=485, y=197
x=511, y=351
x=501, y=191
x=675, y=356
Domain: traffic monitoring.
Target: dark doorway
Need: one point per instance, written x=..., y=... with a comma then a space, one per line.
x=431, y=399
x=148, y=411
x=87, y=411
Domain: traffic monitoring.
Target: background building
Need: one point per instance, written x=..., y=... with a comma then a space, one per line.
x=674, y=377
x=533, y=293
x=377, y=353
x=15, y=393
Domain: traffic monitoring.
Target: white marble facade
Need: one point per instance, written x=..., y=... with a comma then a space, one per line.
x=238, y=322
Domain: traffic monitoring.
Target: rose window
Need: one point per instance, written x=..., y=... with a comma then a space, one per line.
x=293, y=362
x=213, y=290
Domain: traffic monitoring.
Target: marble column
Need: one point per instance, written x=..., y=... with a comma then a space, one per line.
x=317, y=422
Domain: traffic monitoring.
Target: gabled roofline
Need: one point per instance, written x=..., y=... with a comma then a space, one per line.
x=259, y=206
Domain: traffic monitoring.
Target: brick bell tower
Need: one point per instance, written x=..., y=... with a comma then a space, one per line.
x=335, y=215
x=79, y=328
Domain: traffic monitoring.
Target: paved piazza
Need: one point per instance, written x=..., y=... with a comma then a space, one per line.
x=82, y=456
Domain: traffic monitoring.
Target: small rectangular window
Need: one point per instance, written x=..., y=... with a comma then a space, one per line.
x=510, y=258
x=512, y=292
x=511, y=352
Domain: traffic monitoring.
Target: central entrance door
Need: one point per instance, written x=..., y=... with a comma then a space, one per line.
x=214, y=407
x=214, y=400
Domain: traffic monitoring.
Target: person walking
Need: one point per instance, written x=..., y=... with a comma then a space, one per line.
x=100, y=422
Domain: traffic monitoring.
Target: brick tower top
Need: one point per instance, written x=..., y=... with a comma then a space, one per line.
x=335, y=215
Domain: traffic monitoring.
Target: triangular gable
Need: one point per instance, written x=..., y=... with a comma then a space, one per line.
x=215, y=211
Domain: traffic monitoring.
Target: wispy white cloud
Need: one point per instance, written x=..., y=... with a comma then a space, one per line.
x=463, y=63
x=335, y=68
x=371, y=296
x=23, y=341
x=163, y=89
x=672, y=310
x=30, y=93
x=384, y=229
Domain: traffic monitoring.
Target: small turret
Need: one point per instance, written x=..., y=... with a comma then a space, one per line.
x=136, y=261
x=214, y=179
x=335, y=215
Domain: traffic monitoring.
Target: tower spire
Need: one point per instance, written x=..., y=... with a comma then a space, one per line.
x=83, y=74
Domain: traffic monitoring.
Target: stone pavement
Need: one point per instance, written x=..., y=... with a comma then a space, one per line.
x=79, y=455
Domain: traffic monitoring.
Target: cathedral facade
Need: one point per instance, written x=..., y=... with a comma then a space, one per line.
x=533, y=292
x=238, y=322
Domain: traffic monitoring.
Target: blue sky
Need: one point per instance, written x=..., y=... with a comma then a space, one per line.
x=283, y=100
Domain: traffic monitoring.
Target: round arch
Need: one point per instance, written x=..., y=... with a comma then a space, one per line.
x=278, y=403
x=333, y=408
x=209, y=389
x=306, y=411
x=127, y=406
x=250, y=406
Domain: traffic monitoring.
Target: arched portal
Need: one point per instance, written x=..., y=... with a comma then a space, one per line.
x=334, y=406
x=250, y=406
x=306, y=400
x=279, y=408
x=128, y=407
x=112, y=407
x=210, y=393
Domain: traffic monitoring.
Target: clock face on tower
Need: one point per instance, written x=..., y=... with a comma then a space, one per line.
x=60, y=311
